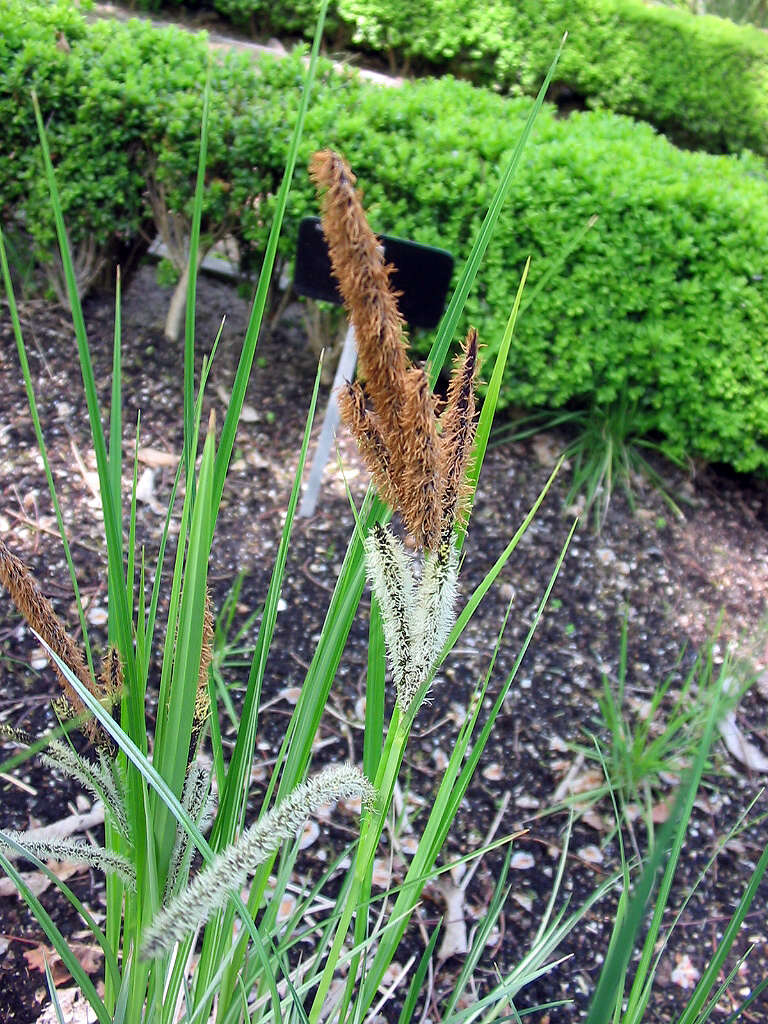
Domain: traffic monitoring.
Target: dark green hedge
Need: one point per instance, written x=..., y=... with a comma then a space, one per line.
x=664, y=301
x=704, y=80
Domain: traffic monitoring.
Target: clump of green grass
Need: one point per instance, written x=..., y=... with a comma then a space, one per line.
x=608, y=453
x=644, y=745
x=158, y=808
x=173, y=949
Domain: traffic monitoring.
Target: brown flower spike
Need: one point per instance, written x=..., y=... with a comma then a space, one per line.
x=38, y=612
x=418, y=463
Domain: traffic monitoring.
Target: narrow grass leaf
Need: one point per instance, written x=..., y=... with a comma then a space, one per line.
x=447, y=800
x=190, y=437
x=52, y=991
x=417, y=981
x=245, y=363
x=112, y=525
x=115, y=453
x=491, y=399
x=375, y=693
x=57, y=940
x=484, y=586
x=235, y=790
x=148, y=772
x=665, y=854
x=176, y=713
x=710, y=975
x=41, y=445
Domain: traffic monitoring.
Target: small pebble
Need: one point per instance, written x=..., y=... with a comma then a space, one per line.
x=309, y=834
x=521, y=861
x=97, y=615
x=591, y=854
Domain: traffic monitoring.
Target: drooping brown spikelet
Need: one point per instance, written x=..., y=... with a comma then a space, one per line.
x=458, y=433
x=111, y=675
x=39, y=614
x=19, y=736
x=203, y=699
x=365, y=430
x=111, y=679
x=358, y=263
x=417, y=473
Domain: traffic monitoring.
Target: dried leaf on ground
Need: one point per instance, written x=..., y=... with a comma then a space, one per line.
x=740, y=747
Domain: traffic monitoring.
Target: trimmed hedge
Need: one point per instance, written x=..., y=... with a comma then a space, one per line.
x=664, y=302
x=122, y=105
x=666, y=299
x=703, y=80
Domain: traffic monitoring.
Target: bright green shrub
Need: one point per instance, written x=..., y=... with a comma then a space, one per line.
x=276, y=94
x=299, y=16
x=702, y=79
x=663, y=304
x=665, y=300
x=34, y=53
x=122, y=106
x=91, y=84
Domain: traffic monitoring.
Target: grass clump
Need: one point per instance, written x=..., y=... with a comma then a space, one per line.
x=172, y=944
x=159, y=806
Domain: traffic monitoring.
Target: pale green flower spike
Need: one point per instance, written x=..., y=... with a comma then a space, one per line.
x=211, y=889
x=391, y=578
x=98, y=779
x=436, y=599
x=72, y=850
x=416, y=619
x=195, y=799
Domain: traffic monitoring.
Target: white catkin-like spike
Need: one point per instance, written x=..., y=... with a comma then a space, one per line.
x=210, y=890
x=433, y=617
x=74, y=851
x=193, y=799
x=391, y=578
x=112, y=783
x=97, y=779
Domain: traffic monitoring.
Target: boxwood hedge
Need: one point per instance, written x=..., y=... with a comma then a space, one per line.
x=664, y=302
x=703, y=80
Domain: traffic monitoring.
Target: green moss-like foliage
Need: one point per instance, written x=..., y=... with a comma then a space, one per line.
x=702, y=79
x=663, y=303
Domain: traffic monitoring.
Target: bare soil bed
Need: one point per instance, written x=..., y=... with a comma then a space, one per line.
x=673, y=579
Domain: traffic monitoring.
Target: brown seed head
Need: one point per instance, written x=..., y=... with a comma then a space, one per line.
x=358, y=263
x=38, y=611
x=203, y=699
x=458, y=433
x=416, y=469
x=365, y=429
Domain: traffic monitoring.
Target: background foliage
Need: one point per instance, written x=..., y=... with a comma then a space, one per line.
x=662, y=305
x=703, y=80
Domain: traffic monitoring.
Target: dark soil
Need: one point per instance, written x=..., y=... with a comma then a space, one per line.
x=673, y=580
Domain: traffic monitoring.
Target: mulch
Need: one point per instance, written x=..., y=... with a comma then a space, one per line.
x=678, y=585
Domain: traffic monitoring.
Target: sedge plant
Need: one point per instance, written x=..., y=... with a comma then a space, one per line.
x=183, y=946
x=649, y=909
x=607, y=453
x=207, y=945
